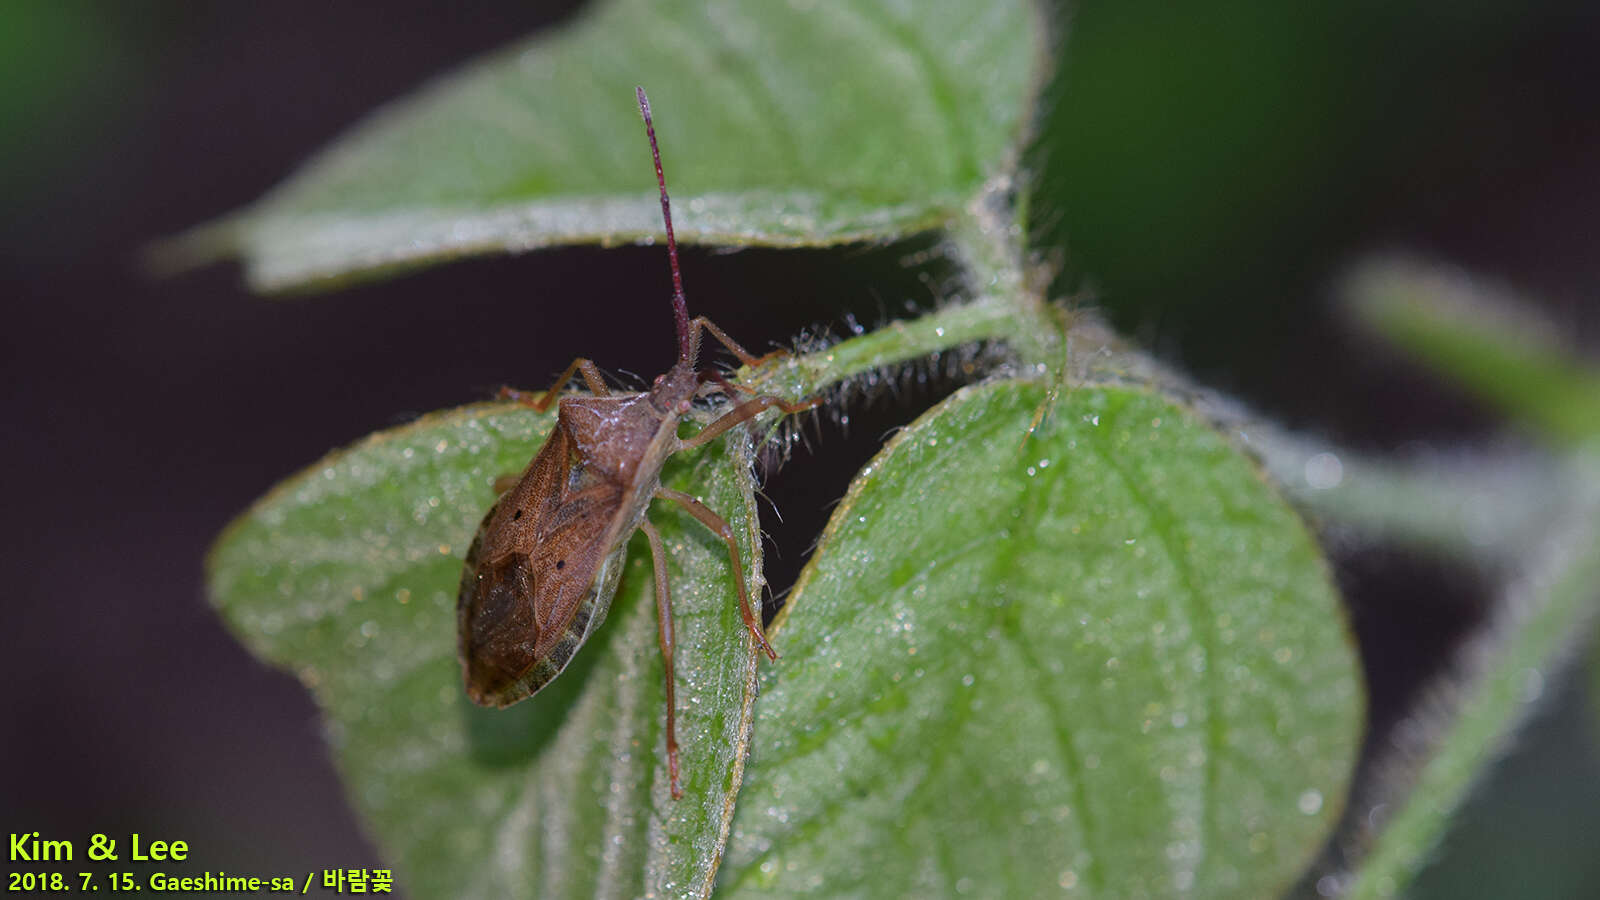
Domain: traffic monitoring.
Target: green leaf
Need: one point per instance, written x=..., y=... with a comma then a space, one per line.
x=1109, y=659
x=347, y=575
x=780, y=124
x=1484, y=340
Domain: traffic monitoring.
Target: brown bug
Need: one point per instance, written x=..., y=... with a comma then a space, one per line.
x=544, y=566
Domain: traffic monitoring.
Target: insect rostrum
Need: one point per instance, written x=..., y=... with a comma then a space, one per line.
x=544, y=566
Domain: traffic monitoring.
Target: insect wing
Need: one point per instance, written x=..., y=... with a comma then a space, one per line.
x=539, y=578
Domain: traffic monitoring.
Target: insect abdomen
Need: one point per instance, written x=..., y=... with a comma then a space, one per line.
x=586, y=620
x=499, y=637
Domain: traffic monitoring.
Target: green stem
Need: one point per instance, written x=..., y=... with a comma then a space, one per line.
x=987, y=318
x=1002, y=308
x=1473, y=507
x=1484, y=340
x=1541, y=618
x=987, y=240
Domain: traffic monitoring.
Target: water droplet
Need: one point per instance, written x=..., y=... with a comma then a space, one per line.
x=1323, y=472
x=1310, y=802
x=1377, y=815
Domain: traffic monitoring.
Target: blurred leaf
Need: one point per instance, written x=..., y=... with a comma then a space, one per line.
x=1594, y=685
x=1483, y=340
x=347, y=575
x=1109, y=659
x=780, y=124
x=76, y=81
x=1594, y=682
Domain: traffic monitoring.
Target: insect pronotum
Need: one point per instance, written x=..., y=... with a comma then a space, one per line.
x=544, y=566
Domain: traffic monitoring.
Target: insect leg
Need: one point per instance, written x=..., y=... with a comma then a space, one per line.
x=541, y=402
x=746, y=411
x=733, y=345
x=658, y=560
x=716, y=523
x=729, y=388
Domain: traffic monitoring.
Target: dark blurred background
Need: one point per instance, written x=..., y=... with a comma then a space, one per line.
x=1210, y=171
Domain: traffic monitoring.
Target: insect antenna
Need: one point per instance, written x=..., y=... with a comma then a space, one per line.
x=687, y=350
